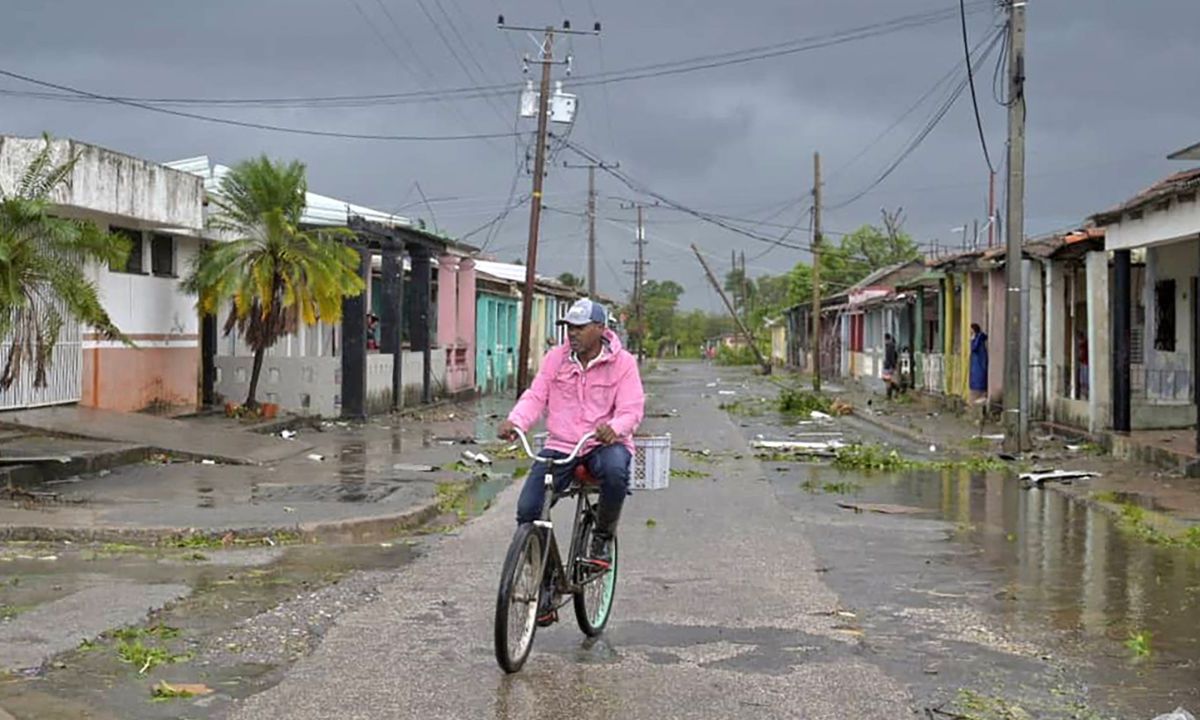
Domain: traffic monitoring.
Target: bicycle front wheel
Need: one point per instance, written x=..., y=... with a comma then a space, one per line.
x=517, y=599
x=593, y=601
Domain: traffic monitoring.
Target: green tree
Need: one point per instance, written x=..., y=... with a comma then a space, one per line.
x=859, y=254
x=741, y=290
x=42, y=268
x=659, y=301
x=274, y=274
x=571, y=280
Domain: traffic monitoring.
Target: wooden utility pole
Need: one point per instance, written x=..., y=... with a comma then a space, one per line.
x=766, y=366
x=591, y=215
x=1016, y=425
x=638, y=307
x=745, y=291
x=535, y=213
x=815, y=342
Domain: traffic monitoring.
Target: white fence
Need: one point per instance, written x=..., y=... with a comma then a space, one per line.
x=933, y=373
x=64, y=373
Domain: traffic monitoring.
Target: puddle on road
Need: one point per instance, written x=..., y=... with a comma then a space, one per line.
x=1061, y=576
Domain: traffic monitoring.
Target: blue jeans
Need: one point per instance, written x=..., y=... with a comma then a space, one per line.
x=608, y=463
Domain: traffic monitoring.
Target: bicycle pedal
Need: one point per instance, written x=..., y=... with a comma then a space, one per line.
x=548, y=619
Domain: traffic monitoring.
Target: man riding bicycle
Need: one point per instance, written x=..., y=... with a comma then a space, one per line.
x=590, y=384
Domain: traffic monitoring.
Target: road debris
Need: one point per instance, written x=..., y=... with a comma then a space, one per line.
x=882, y=508
x=1178, y=714
x=479, y=458
x=316, y=457
x=1039, y=477
x=414, y=467
x=288, y=434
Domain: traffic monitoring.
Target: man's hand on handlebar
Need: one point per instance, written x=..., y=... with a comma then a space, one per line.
x=607, y=435
x=507, y=430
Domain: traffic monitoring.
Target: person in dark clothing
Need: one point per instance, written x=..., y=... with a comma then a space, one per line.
x=978, y=379
x=891, y=359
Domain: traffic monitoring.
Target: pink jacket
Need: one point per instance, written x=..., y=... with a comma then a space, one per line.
x=579, y=400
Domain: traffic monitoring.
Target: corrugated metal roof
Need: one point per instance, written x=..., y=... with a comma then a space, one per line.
x=1180, y=182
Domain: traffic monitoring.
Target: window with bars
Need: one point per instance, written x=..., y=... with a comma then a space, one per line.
x=133, y=263
x=162, y=255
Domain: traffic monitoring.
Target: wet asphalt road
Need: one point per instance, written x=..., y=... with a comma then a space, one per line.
x=721, y=611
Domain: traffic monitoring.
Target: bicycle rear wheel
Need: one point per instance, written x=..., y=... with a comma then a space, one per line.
x=517, y=599
x=594, y=600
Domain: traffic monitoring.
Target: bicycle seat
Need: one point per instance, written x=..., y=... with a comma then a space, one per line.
x=583, y=477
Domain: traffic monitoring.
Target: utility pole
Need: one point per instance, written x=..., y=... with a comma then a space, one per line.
x=591, y=214
x=1016, y=424
x=535, y=213
x=712, y=279
x=745, y=291
x=639, y=277
x=815, y=343
x=546, y=59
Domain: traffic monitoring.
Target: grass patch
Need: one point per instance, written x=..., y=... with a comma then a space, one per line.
x=746, y=407
x=164, y=692
x=520, y=471
x=875, y=458
x=978, y=443
x=146, y=657
x=871, y=458
x=8, y=612
x=688, y=474
x=793, y=401
x=1137, y=521
x=452, y=498
x=830, y=488
x=1139, y=644
x=704, y=456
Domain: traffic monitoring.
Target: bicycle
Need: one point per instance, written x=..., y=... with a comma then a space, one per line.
x=533, y=566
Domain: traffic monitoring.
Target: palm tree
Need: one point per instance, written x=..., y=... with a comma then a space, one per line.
x=273, y=274
x=42, y=270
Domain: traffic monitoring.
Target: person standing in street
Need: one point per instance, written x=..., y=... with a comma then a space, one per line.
x=891, y=359
x=978, y=380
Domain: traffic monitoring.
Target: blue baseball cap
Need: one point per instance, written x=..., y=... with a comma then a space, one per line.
x=585, y=312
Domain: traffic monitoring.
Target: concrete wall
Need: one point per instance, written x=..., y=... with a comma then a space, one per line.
x=302, y=385
x=1180, y=220
x=1099, y=317
x=1177, y=262
x=153, y=312
x=312, y=385
x=1039, y=373
x=111, y=183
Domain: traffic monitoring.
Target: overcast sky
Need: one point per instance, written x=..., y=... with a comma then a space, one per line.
x=1112, y=88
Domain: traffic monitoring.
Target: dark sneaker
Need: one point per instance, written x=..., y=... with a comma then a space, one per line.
x=600, y=554
x=547, y=613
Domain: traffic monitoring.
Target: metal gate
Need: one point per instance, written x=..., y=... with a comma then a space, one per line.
x=64, y=374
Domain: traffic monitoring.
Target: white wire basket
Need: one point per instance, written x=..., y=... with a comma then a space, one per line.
x=650, y=466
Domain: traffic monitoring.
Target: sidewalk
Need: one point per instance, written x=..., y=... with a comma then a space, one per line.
x=181, y=437
x=1145, y=469
x=348, y=480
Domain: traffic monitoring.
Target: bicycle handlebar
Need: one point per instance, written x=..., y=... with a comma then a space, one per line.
x=562, y=461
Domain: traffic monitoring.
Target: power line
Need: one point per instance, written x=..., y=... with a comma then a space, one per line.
x=971, y=81
x=920, y=136
x=693, y=64
x=249, y=124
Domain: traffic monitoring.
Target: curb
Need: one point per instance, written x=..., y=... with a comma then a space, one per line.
x=25, y=476
x=906, y=433
x=348, y=530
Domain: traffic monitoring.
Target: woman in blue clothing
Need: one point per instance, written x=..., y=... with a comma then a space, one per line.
x=979, y=363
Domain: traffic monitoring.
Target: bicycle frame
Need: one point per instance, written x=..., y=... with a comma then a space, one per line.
x=562, y=582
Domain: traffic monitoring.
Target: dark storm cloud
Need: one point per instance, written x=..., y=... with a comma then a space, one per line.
x=1111, y=90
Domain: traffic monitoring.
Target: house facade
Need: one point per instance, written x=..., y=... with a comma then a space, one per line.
x=159, y=210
